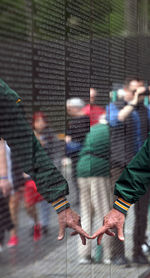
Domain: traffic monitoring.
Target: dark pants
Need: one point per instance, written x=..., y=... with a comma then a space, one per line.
x=141, y=213
x=5, y=218
x=74, y=157
x=118, y=248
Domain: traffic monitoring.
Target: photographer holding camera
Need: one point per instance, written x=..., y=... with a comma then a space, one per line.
x=134, y=96
x=128, y=120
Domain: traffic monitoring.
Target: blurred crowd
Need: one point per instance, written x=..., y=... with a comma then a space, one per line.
x=99, y=142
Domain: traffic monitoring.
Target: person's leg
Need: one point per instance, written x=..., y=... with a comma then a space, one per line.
x=141, y=213
x=118, y=247
x=14, y=206
x=1, y=235
x=85, y=212
x=5, y=218
x=44, y=215
x=31, y=197
x=2, y=213
x=30, y=200
x=32, y=212
x=6, y=222
x=101, y=200
x=74, y=159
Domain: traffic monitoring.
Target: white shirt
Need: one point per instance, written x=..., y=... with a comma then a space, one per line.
x=9, y=165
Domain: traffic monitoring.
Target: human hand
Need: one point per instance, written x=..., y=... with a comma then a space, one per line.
x=139, y=91
x=70, y=219
x=68, y=139
x=114, y=219
x=5, y=187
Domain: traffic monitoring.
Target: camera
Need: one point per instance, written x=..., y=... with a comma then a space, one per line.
x=146, y=93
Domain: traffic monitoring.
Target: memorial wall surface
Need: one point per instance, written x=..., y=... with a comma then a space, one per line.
x=55, y=50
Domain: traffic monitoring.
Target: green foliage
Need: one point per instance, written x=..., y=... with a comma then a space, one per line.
x=13, y=17
x=55, y=19
x=117, y=17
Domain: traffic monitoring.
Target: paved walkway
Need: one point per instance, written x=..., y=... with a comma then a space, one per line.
x=52, y=259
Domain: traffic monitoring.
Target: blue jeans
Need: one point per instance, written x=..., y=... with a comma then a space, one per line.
x=44, y=213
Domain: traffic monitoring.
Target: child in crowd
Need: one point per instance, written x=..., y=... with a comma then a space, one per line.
x=54, y=149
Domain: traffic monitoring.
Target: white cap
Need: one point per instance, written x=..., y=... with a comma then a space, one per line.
x=121, y=93
x=75, y=102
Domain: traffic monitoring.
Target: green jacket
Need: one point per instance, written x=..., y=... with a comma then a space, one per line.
x=26, y=149
x=94, y=156
x=134, y=180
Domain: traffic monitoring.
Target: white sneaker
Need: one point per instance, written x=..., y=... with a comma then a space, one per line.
x=85, y=261
x=106, y=261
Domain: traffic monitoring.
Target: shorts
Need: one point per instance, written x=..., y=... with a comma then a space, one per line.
x=31, y=195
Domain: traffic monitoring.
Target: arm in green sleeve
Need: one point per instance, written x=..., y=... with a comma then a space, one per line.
x=135, y=179
x=30, y=155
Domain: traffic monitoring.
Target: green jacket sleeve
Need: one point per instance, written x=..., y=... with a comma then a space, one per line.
x=135, y=179
x=27, y=151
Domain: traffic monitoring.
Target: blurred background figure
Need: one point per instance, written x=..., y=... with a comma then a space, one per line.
x=48, y=138
x=119, y=94
x=54, y=149
x=129, y=128
x=78, y=125
x=16, y=194
x=31, y=199
x=94, y=186
x=6, y=185
x=92, y=110
x=6, y=179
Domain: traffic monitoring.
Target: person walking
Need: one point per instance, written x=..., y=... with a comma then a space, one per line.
x=94, y=186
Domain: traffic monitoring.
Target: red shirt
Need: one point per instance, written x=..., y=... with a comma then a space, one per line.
x=94, y=112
